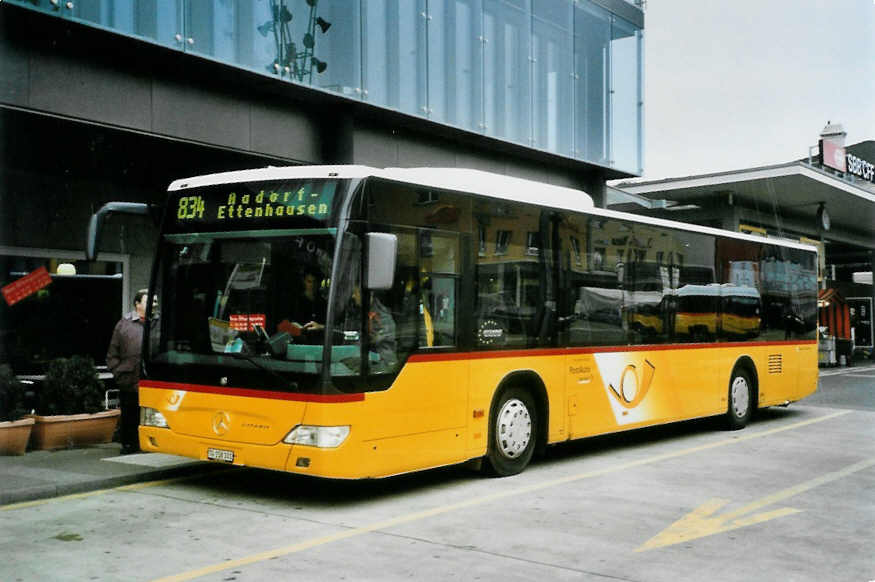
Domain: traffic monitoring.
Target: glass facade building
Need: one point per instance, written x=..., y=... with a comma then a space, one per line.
x=561, y=76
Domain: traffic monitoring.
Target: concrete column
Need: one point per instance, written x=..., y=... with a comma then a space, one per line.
x=872, y=315
x=336, y=134
x=593, y=183
x=730, y=220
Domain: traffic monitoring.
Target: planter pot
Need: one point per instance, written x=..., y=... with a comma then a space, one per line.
x=67, y=431
x=14, y=436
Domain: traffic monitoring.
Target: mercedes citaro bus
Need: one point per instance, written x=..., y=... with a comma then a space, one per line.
x=352, y=322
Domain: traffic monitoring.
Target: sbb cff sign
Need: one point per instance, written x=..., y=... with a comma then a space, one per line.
x=861, y=168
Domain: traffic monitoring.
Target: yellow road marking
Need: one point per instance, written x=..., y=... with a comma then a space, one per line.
x=701, y=521
x=420, y=515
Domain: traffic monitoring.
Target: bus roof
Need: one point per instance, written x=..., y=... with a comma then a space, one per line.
x=461, y=179
x=479, y=182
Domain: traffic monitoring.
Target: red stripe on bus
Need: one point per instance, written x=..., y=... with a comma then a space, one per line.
x=252, y=393
x=485, y=355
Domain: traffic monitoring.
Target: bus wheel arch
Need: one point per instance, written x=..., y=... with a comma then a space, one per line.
x=742, y=395
x=521, y=396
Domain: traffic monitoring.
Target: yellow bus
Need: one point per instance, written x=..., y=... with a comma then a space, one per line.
x=351, y=322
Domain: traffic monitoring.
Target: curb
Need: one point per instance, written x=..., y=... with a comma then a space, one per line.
x=44, y=492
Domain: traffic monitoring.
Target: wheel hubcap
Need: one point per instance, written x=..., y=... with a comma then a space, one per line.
x=740, y=396
x=513, y=428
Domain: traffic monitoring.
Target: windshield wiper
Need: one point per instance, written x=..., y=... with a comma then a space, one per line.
x=292, y=386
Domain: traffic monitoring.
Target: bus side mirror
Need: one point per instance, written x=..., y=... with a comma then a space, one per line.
x=382, y=255
x=95, y=225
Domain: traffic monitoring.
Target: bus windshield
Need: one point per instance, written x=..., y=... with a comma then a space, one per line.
x=234, y=299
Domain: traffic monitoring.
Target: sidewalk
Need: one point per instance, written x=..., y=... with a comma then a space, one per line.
x=43, y=474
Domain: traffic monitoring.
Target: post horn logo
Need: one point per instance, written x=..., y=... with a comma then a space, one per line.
x=633, y=389
x=221, y=423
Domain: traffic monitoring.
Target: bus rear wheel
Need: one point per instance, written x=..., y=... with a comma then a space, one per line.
x=512, y=432
x=741, y=399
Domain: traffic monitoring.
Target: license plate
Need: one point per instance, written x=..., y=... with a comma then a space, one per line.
x=220, y=455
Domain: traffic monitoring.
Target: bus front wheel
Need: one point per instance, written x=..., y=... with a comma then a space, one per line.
x=512, y=432
x=741, y=399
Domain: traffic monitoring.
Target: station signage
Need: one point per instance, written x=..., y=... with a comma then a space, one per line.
x=837, y=158
x=833, y=156
x=861, y=168
x=255, y=205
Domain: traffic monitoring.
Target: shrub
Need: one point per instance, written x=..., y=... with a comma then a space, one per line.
x=71, y=386
x=11, y=395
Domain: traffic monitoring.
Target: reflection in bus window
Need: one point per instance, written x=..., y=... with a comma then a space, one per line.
x=637, y=296
x=510, y=301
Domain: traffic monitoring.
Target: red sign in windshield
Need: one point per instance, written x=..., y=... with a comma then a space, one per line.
x=247, y=321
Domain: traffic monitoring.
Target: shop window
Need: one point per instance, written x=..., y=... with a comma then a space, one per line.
x=73, y=314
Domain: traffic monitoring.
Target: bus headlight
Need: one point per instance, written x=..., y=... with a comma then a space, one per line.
x=324, y=437
x=151, y=417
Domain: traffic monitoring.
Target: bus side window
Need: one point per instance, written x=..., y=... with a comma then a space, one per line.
x=510, y=294
x=439, y=268
x=438, y=311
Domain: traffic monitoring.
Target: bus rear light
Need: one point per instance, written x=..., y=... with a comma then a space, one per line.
x=151, y=417
x=324, y=437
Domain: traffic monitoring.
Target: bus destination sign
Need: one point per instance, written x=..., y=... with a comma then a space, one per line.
x=241, y=208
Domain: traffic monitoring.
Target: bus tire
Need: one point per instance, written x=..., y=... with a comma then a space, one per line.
x=741, y=399
x=513, y=429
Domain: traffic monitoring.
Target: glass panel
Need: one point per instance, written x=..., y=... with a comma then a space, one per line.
x=157, y=20
x=692, y=271
x=507, y=71
x=454, y=62
x=284, y=37
x=241, y=33
x=592, y=30
x=47, y=7
x=738, y=266
x=334, y=60
x=551, y=46
x=210, y=28
x=73, y=315
x=115, y=14
x=393, y=46
x=788, y=311
x=440, y=266
x=384, y=323
x=590, y=310
x=625, y=95
x=510, y=296
x=346, y=341
x=636, y=284
x=248, y=302
x=647, y=290
x=423, y=300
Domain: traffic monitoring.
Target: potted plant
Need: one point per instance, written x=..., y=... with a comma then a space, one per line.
x=14, y=430
x=70, y=409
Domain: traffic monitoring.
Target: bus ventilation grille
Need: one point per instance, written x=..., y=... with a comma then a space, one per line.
x=776, y=364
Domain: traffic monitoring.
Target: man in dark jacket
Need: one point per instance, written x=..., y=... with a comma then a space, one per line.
x=123, y=360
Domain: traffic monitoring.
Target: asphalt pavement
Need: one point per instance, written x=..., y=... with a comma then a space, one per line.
x=43, y=474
